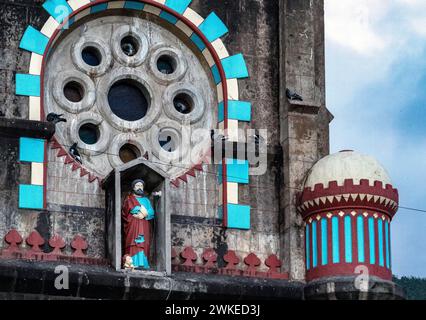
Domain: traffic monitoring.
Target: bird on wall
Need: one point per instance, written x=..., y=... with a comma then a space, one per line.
x=257, y=138
x=128, y=48
x=293, y=96
x=75, y=154
x=55, y=118
x=217, y=136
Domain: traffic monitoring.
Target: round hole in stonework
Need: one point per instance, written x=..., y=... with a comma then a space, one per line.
x=183, y=103
x=129, y=45
x=128, y=100
x=167, y=140
x=91, y=56
x=129, y=152
x=166, y=64
x=89, y=133
x=74, y=91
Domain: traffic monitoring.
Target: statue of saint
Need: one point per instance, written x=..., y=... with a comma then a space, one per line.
x=136, y=213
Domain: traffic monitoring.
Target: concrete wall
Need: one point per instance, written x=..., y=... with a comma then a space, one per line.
x=283, y=45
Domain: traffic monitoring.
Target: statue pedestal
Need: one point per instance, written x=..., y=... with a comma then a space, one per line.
x=117, y=185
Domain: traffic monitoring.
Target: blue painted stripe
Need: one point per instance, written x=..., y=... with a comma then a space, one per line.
x=237, y=110
x=30, y=196
x=380, y=230
x=238, y=216
x=58, y=9
x=198, y=42
x=237, y=171
x=335, y=239
x=27, y=85
x=314, y=245
x=220, y=173
x=216, y=75
x=213, y=27
x=34, y=41
x=324, y=242
x=360, y=239
x=31, y=150
x=168, y=17
x=372, y=240
x=134, y=5
x=348, y=239
x=308, y=262
x=99, y=7
x=387, y=244
x=178, y=5
x=235, y=67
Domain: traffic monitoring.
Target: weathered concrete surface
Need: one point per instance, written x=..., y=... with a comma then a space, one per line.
x=344, y=288
x=282, y=42
x=22, y=278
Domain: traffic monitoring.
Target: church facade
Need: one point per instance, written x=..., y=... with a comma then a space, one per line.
x=192, y=135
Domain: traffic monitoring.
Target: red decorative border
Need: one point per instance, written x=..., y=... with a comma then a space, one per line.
x=310, y=202
x=34, y=252
x=188, y=258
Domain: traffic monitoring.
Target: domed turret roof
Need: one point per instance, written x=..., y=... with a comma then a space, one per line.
x=346, y=165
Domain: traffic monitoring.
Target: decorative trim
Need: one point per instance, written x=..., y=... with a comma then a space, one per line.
x=205, y=33
x=186, y=261
x=33, y=251
x=336, y=246
x=362, y=196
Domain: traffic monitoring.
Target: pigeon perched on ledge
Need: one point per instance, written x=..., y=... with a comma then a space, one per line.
x=291, y=95
x=55, y=118
x=75, y=154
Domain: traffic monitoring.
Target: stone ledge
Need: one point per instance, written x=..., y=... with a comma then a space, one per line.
x=99, y=282
x=16, y=128
x=343, y=288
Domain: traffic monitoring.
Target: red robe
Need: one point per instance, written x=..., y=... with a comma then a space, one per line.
x=133, y=228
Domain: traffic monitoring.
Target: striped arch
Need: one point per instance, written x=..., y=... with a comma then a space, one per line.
x=205, y=33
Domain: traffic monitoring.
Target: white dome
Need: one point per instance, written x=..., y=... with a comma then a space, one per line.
x=347, y=165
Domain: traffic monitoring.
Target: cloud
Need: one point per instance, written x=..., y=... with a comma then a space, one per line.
x=352, y=23
x=375, y=89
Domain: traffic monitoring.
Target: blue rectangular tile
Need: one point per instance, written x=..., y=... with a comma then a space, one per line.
x=237, y=110
x=216, y=75
x=235, y=67
x=99, y=7
x=198, y=42
x=178, y=5
x=238, y=216
x=168, y=17
x=237, y=171
x=30, y=196
x=34, y=41
x=31, y=150
x=58, y=9
x=213, y=27
x=134, y=5
x=27, y=85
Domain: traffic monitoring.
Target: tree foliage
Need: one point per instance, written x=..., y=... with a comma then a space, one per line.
x=415, y=288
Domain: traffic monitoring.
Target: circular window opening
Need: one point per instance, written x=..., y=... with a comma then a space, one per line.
x=74, y=91
x=166, y=64
x=89, y=133
x=167, y=141
x=129, y=45
x=129, y=152
x=183, y=103
x=91, y=56
x=128, y=100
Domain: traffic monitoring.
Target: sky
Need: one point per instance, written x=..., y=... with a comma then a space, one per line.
x=376, y=89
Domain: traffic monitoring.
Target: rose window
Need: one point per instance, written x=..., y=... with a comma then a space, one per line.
x=129, y=87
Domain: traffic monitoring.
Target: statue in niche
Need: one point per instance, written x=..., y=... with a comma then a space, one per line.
x=136, y=214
